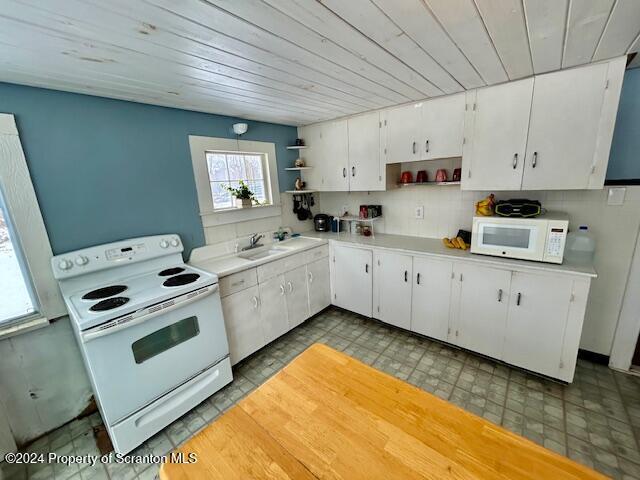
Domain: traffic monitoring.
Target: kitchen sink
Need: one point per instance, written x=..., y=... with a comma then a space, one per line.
x=259, y=254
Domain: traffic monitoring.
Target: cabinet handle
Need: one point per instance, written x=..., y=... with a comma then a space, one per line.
x=235, y=284
x=405, y=275
x=353, y=171
x=290, y=285
x=515, y=161
x=344, y=173
x=366, y=268
x=418, y=279
x=534, y=160
x=414, y=147
x=460, y=277
x=518, y=299
x=426, y=146
x=281, y=289
x=500, y=295
x=310, y=277
x=255, y=302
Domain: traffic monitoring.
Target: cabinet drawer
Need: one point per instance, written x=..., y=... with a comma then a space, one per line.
x=278, y=267
x=316, y=253
x=238, y=281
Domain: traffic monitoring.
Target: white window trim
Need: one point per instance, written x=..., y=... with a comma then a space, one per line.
x=20, y=199
x=199, y=147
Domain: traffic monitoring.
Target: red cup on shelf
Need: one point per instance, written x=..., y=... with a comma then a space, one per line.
x=441, y=175
x=406, y=177
x=421, y=176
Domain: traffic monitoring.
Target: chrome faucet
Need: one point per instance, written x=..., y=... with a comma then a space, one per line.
x=253, y=242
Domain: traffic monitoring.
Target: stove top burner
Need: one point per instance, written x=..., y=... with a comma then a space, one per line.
x=171, y=271
x=109, y=303
x=104, y=292
x=181, y=280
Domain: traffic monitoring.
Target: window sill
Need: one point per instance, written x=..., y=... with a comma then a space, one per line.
x=235, y=215
x=24, y=326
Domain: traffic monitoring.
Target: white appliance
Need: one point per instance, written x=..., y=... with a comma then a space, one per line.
x=150, y=330
x=540, y=238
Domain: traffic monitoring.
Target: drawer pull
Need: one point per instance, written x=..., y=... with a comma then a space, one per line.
x=239, y=282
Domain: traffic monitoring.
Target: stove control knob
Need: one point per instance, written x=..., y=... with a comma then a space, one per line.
x=65, y=264
x=81, y=260
x=175, y=242
x=164, y=244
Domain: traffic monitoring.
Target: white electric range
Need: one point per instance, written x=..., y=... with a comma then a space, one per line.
x=150, y=329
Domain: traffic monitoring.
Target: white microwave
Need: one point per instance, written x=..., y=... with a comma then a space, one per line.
x=541, y=238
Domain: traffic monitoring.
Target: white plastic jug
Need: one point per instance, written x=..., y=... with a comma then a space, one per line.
x=580, y=246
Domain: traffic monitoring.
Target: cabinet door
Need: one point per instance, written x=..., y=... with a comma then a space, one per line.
x=297, y=296
x=441, y=127
x=393, y=279
x=312, y=155
x=273, y=308
x=318, y=285
x=402, y=133
x=497, y=137
x=242, y=321
x=364, y=153
x=335, y=154
x=538, y=310
x=483, y=307
x=431, y=297
x=563, y=132
x=352, y=275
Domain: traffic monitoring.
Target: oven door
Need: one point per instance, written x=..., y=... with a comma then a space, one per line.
x=136, y=362
x=514, y=239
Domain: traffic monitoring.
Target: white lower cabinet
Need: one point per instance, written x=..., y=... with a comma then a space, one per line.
x=481, y=301
x=318, y=285
x=273, y=299
x=242, y=320
x=273, y=308
x=297, y=296
x=352, y=286
x=538, y=310
x=431, y=297
x=393, y=288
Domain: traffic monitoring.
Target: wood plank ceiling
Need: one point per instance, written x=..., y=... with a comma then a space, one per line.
x=301, y=61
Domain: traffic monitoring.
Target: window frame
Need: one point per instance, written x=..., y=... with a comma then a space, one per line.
x=27, y=223
x=199, y=147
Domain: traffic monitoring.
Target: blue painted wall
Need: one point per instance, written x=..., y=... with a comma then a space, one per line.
x=104, y=170
x=624, y=163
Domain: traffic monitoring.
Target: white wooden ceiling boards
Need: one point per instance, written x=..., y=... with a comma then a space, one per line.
x=301, y=61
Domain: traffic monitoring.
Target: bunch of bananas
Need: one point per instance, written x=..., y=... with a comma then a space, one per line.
x=485, y=207
x=456, y=242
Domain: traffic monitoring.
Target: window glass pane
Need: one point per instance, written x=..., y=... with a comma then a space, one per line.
x=506, y=237
x=217, y=164
x=257, y=187
x=221, y=198
x=236, y=167
x=254, y=167
x=164, y=339
x=14, y=282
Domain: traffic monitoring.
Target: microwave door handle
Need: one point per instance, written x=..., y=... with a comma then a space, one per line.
x=92, y=335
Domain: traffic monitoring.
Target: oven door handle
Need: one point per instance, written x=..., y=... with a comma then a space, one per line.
x=92, y=335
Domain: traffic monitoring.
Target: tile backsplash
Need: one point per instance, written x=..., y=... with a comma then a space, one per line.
x=448, y=209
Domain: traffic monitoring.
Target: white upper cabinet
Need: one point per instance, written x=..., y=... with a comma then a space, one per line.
x=441, y=127
x=561, y=131
x=403, y=143
x=335, y=152
x=564, y=128
x=496, y=136
x=365, y=169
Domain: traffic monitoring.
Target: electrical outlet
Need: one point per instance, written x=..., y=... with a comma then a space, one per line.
x=420, y=212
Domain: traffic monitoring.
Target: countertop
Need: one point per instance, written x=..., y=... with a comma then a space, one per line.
x=435, y=247
x=228, y=264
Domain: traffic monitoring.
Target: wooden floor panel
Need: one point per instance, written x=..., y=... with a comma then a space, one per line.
x=327, y=415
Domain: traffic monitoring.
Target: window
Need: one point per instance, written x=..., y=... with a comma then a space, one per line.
x=227, y=161
x=15, y=284
x=30, y=296
x=228, y=169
